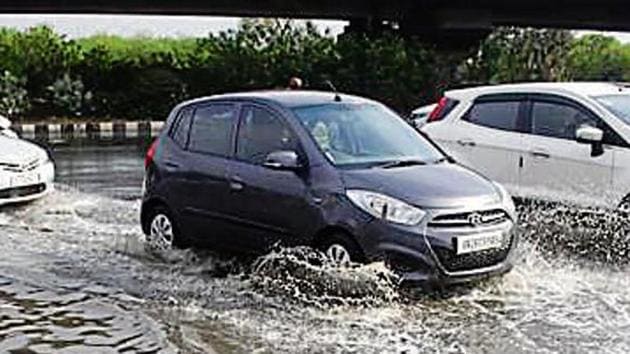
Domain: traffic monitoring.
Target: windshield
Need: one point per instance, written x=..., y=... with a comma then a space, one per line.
x=365, y=134
x=619, y=105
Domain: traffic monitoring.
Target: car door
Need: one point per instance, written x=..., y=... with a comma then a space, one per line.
x=205, y=187
x=488, y=137
x=556, y=165
x=616, y=114
x=271, y=205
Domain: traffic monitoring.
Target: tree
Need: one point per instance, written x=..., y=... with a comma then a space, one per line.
x=599, y=58
x=512, y=54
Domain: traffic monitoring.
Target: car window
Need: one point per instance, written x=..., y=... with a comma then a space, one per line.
x=260, y=133
x=364, y=135
x=618, y=104
x=211, y=130
x=558, y=120
x=498, y=115
x=180, y=130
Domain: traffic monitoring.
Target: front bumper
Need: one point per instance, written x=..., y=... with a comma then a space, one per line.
x=26, y=186
x=420, y=253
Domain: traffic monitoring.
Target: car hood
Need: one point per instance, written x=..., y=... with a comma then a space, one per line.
x=445, y=185
x=20, y=152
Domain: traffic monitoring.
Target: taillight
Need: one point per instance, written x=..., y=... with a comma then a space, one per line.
x=150, y=154
x=444, y=107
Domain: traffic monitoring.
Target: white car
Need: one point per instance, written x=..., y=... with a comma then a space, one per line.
x=419, y=116
x=26, y=170
x=555, y=141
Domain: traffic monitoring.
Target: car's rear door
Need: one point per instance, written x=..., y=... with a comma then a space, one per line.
x=487, y=137
x=557, y=166
x=205, y=191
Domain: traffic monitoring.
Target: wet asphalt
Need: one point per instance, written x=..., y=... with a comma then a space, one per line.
x=76, y=277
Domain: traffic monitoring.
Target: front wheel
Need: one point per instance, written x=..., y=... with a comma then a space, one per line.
x=341, y=250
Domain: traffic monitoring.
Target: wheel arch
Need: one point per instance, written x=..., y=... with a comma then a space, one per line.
x=320, y=237
x=147, y=207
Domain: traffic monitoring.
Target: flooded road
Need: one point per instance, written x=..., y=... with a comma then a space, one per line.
x=75, y=277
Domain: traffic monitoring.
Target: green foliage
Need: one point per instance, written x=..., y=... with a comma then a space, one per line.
x=39, y=54
x=600, y=58
x=512, y=54
x=140, y=77
x=69, y=97
x=399, y=72
x=13, y=95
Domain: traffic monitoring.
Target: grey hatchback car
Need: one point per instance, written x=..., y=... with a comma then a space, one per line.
x=243, y=172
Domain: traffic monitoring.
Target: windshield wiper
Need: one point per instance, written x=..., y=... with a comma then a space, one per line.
x=444, y=159
x=401, y=163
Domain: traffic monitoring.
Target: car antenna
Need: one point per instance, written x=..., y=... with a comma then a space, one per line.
x=334, y=89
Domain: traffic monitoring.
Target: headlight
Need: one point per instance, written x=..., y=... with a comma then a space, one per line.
x=386, y=208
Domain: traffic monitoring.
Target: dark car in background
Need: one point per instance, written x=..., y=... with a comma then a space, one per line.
x=243, y=172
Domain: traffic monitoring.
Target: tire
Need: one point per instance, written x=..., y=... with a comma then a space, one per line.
x=624, y=206
x=341, y=249
x=162, y=230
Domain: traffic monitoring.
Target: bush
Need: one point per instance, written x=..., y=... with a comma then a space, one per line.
x=108, y=76
x=599, y=58
x=68, y=97
x=513, y=54
x=13, y=95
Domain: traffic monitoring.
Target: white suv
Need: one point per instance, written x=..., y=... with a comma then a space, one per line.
x=555, y=141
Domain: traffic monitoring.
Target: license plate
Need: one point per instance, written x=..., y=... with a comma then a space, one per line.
x=476, y=243
x=24, y=179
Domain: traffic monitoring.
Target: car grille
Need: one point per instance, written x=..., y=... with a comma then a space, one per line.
x=17, y=168
x=470, y=219
x=22, y=191
x=453, y=262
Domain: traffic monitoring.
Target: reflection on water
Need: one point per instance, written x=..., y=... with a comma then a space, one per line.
x=113, y=170
x=36, y=319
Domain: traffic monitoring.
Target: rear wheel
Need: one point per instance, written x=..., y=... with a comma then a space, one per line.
x=163, y=233
x=341, y=250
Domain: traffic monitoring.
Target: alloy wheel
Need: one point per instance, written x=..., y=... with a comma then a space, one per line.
x=161, y=235
x=338, y=255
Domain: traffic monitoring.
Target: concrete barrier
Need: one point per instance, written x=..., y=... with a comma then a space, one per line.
x=114, y=130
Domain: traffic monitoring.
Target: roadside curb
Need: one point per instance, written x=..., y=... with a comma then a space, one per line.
x=115, y=130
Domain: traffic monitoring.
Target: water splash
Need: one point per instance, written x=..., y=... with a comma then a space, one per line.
x=567, y=292
x=306, y=275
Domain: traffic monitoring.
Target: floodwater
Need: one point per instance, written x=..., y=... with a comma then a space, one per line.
x=75, y=278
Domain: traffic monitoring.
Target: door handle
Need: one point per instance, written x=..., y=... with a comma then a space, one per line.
x=171, y=164
x=541, y=154
x=466, y=142
x=236, y=183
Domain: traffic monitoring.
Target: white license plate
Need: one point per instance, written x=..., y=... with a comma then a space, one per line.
x=24, y=179
x=480, y=242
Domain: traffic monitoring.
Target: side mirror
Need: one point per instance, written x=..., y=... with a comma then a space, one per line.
x=589, y=135
x=282, y=160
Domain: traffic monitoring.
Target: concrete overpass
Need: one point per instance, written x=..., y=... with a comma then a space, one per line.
x=459, y=20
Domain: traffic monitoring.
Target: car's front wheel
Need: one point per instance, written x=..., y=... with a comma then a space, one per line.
x=341, y=250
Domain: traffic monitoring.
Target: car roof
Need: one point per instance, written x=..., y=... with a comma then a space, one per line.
x=575, y=88
x=287, y=98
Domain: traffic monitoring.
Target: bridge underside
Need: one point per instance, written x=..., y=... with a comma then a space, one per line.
x=437, y=20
